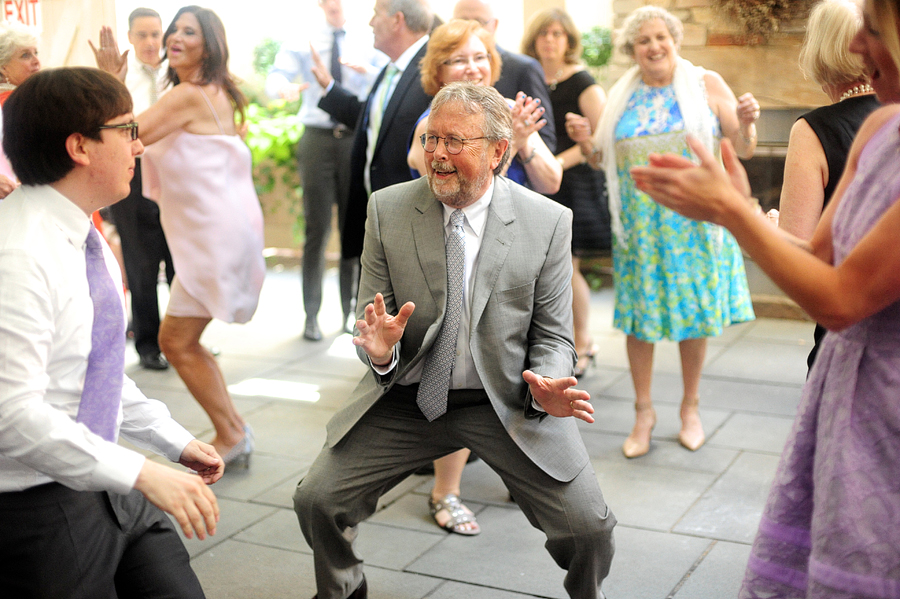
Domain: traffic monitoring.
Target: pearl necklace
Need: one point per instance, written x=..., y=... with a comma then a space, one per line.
x=555, y=81
x=857, y=90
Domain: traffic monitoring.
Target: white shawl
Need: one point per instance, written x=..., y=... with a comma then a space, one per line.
x=690, y=92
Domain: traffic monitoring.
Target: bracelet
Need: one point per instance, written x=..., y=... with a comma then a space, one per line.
x=561, y=161
x=530, y=156
x=747, y=140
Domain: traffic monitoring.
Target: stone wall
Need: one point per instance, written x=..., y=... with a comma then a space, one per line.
x=768, y=68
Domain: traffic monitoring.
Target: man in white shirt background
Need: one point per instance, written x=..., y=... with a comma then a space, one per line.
x=81, y=515
x=136, y=218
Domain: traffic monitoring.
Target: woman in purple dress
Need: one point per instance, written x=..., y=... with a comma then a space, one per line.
x=831, y=526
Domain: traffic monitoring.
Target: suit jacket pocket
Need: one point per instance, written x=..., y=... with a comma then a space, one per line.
x=520, y=293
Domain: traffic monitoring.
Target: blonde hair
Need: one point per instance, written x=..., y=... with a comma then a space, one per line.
x=825, y=55
x=444, y=41
x=541, y=21
x=631, y=27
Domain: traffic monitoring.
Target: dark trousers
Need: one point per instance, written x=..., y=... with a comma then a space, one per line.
x=143, y=248
x=393, y=439
x=324, y=164
x=57, y=543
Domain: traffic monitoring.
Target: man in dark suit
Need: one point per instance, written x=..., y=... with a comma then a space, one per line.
x=469, y=345
x=385, y=121
x=520, y=73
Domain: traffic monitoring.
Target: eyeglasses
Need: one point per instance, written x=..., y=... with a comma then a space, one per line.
x=453, y=144
x=132, y=126
x=459, y=62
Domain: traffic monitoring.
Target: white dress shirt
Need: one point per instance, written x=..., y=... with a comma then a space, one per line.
x=46, y=317
x=293, y=63
x=138, y=81
x=463, y=375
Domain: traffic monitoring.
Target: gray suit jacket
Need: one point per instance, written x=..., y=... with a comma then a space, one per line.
x=521, y=307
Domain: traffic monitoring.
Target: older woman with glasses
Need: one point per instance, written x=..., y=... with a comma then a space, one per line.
x=462, y=50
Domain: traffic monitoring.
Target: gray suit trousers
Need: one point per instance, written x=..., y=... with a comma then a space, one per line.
x=392, y=440
x=324, y=163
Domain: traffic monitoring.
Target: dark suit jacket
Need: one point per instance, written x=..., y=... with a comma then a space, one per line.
x=521, y=307
x=522, y=73
x=389, y=166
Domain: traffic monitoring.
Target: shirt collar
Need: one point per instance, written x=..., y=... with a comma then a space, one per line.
x=70, y=219
x=475, y=213
x=403, y=62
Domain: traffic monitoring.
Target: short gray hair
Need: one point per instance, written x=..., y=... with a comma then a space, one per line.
x=416, y=13
x=14, y=36
x=631, y=27
x=483, y=100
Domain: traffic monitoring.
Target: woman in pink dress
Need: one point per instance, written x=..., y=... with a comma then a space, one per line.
x=199, y=170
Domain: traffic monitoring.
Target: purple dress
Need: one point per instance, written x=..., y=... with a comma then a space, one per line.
x=831, y=526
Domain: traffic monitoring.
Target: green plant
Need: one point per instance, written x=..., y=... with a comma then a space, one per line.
x=597, y=46
x=273, y=130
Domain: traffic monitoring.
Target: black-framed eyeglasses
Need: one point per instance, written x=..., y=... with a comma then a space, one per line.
x=453, y=144
x=132, y=126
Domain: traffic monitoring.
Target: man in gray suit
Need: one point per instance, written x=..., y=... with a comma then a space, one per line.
x=469, y=345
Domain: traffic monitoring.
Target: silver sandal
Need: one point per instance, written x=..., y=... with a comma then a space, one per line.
x=459, y=515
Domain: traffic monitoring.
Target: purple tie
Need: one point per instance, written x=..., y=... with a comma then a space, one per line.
x=102, y=392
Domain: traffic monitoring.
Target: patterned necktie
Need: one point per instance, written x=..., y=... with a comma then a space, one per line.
x=381, y=100
x=435, y=383
x=102, y=393
x=336, y=57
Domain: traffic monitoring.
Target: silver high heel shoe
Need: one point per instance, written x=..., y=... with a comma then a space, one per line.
x=239, y=455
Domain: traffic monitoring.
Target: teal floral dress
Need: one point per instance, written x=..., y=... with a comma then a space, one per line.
x=675, y=278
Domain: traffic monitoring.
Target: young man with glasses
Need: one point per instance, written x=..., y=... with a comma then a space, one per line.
x=82, y=516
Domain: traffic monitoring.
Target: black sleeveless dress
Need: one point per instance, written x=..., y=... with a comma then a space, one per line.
x=836, y=125
x=583, y=190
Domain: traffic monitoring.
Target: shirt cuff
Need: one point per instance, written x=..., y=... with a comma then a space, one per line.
x=386, y=368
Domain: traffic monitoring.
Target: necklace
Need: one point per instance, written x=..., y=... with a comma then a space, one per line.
x=555, y=81
x=863, y=88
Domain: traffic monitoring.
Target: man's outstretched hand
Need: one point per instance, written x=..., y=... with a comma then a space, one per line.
x=379, y=331
x=559, y=397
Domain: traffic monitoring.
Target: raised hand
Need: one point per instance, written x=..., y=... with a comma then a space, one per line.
x=527, y=116
x=203, y=459
x=559, y=398
x=183, y=495
x=747, y=109
x=700, y=192
x=319, y=69
x=107, y=56
x=379, y=331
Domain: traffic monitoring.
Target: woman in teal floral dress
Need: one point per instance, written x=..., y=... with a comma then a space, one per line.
x=675, y=278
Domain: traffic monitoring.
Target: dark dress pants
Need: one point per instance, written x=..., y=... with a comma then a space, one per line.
x=393, y=439
x=143, y=248
x=60, y=543
x=324, y=162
